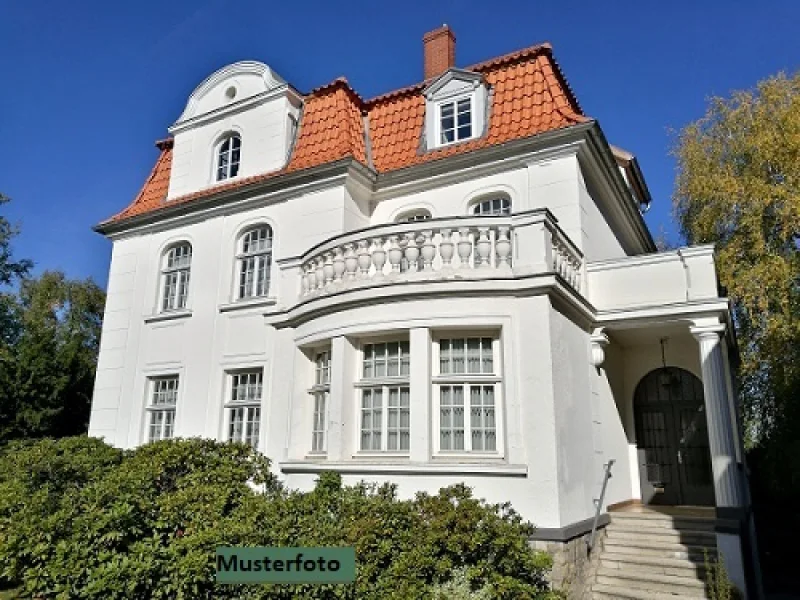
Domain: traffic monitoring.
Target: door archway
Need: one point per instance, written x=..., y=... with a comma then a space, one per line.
x=672, y=439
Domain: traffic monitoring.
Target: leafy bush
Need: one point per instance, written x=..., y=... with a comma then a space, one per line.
x=79, y=519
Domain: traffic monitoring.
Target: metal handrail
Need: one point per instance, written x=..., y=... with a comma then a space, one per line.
x=599, y=502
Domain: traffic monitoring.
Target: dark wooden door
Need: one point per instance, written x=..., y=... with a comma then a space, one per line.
x=672, y=439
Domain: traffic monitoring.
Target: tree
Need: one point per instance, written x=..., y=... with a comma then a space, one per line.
x=10, y=270
x=48, y=374
x=739, y=186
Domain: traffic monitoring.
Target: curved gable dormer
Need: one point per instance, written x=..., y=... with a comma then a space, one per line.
x=245, y=101
x=455, y=108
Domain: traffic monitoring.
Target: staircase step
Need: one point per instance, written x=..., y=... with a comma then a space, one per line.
x=645, y=547
x=602, y=591
x=699, y=538
x=635, y=563
x=656, y=520
x=651, y=581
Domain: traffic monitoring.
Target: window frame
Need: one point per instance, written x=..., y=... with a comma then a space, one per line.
x=153, y=408
x=266, y=255
x=467, y=380
x=415, y=215
x=231, y=406
x=320, y=392
x=454, y=101
x=218, y=154
x=386, y=384
x=488, y=198
x=183, y=278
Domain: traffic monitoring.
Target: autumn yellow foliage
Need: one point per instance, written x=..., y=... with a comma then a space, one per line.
x=738, y=186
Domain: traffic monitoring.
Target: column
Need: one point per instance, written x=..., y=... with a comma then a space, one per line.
x=721, y=438
x=341, y=408
x=420, y=347
x=720, y=431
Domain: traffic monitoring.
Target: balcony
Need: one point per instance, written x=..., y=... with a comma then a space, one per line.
x=470, y=252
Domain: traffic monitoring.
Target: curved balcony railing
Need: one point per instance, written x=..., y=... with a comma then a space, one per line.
x=456, y=247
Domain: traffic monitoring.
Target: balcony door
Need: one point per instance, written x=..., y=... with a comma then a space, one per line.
x=672, y=439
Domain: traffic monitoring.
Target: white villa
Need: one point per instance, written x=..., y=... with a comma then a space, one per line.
x=451, y=282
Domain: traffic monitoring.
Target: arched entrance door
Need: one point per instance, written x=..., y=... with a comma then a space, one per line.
x=672, y=439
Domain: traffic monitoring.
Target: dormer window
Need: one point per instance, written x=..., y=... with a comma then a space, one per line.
x=228, y=157
x=455, y=108
x=455, y=120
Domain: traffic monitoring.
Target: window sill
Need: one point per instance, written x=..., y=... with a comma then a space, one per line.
x=404, y=468
x=168, y=316
x=249, y=303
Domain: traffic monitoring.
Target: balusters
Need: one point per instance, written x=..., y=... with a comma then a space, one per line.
x=338, y=265
x=446, y=248
x=464, y=247
x=320, y=264
x=483, y=248
x=502, y=247
x=395, y=255
x=428, y=250
x=364, y=259
x=378, y=256
x=412, y=251
x=350, y=262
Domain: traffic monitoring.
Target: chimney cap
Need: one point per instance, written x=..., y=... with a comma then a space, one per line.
x=444, y=29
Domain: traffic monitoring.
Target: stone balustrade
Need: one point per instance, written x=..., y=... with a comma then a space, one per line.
x=476, y=247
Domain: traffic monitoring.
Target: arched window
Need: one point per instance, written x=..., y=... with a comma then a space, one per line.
x=228, y=157
x=492, y=205
x=175, y=267
x=414, y=216
x=254, y=258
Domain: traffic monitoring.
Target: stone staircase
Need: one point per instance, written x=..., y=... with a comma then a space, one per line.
x=649, y=555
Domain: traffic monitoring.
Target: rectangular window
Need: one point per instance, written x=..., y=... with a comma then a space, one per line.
x=385, y=397
x=455, y=120
x=243, y=407
x=161, y=410
x=467, y=385
x=320, y=394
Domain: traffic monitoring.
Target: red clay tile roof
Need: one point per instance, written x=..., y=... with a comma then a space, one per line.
x=529, y=95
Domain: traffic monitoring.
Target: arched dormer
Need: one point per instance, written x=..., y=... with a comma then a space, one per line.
x=245, y=99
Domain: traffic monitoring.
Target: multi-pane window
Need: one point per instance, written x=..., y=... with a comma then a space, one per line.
x=244, y=406
x=385, y=397
x=175, y=271
x=467, y=386
x=228, y=157
x=455, y=120
x=255, y=261
x=498, y=205
x=161, y=409
x=321, y=395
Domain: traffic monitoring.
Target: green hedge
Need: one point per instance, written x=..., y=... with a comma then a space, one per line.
x=79, y=519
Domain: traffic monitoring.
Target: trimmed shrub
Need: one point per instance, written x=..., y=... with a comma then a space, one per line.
x=81, y=520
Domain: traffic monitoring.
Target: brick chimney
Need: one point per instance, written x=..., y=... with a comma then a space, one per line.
x=440, y=51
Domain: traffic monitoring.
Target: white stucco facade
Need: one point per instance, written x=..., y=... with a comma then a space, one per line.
x=568, y=288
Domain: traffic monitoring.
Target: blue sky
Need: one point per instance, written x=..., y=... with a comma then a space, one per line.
x=89, y=86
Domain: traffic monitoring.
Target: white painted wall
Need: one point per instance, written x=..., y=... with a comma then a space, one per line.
x=559, y=417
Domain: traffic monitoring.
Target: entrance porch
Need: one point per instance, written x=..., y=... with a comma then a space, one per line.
x=670, y=378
